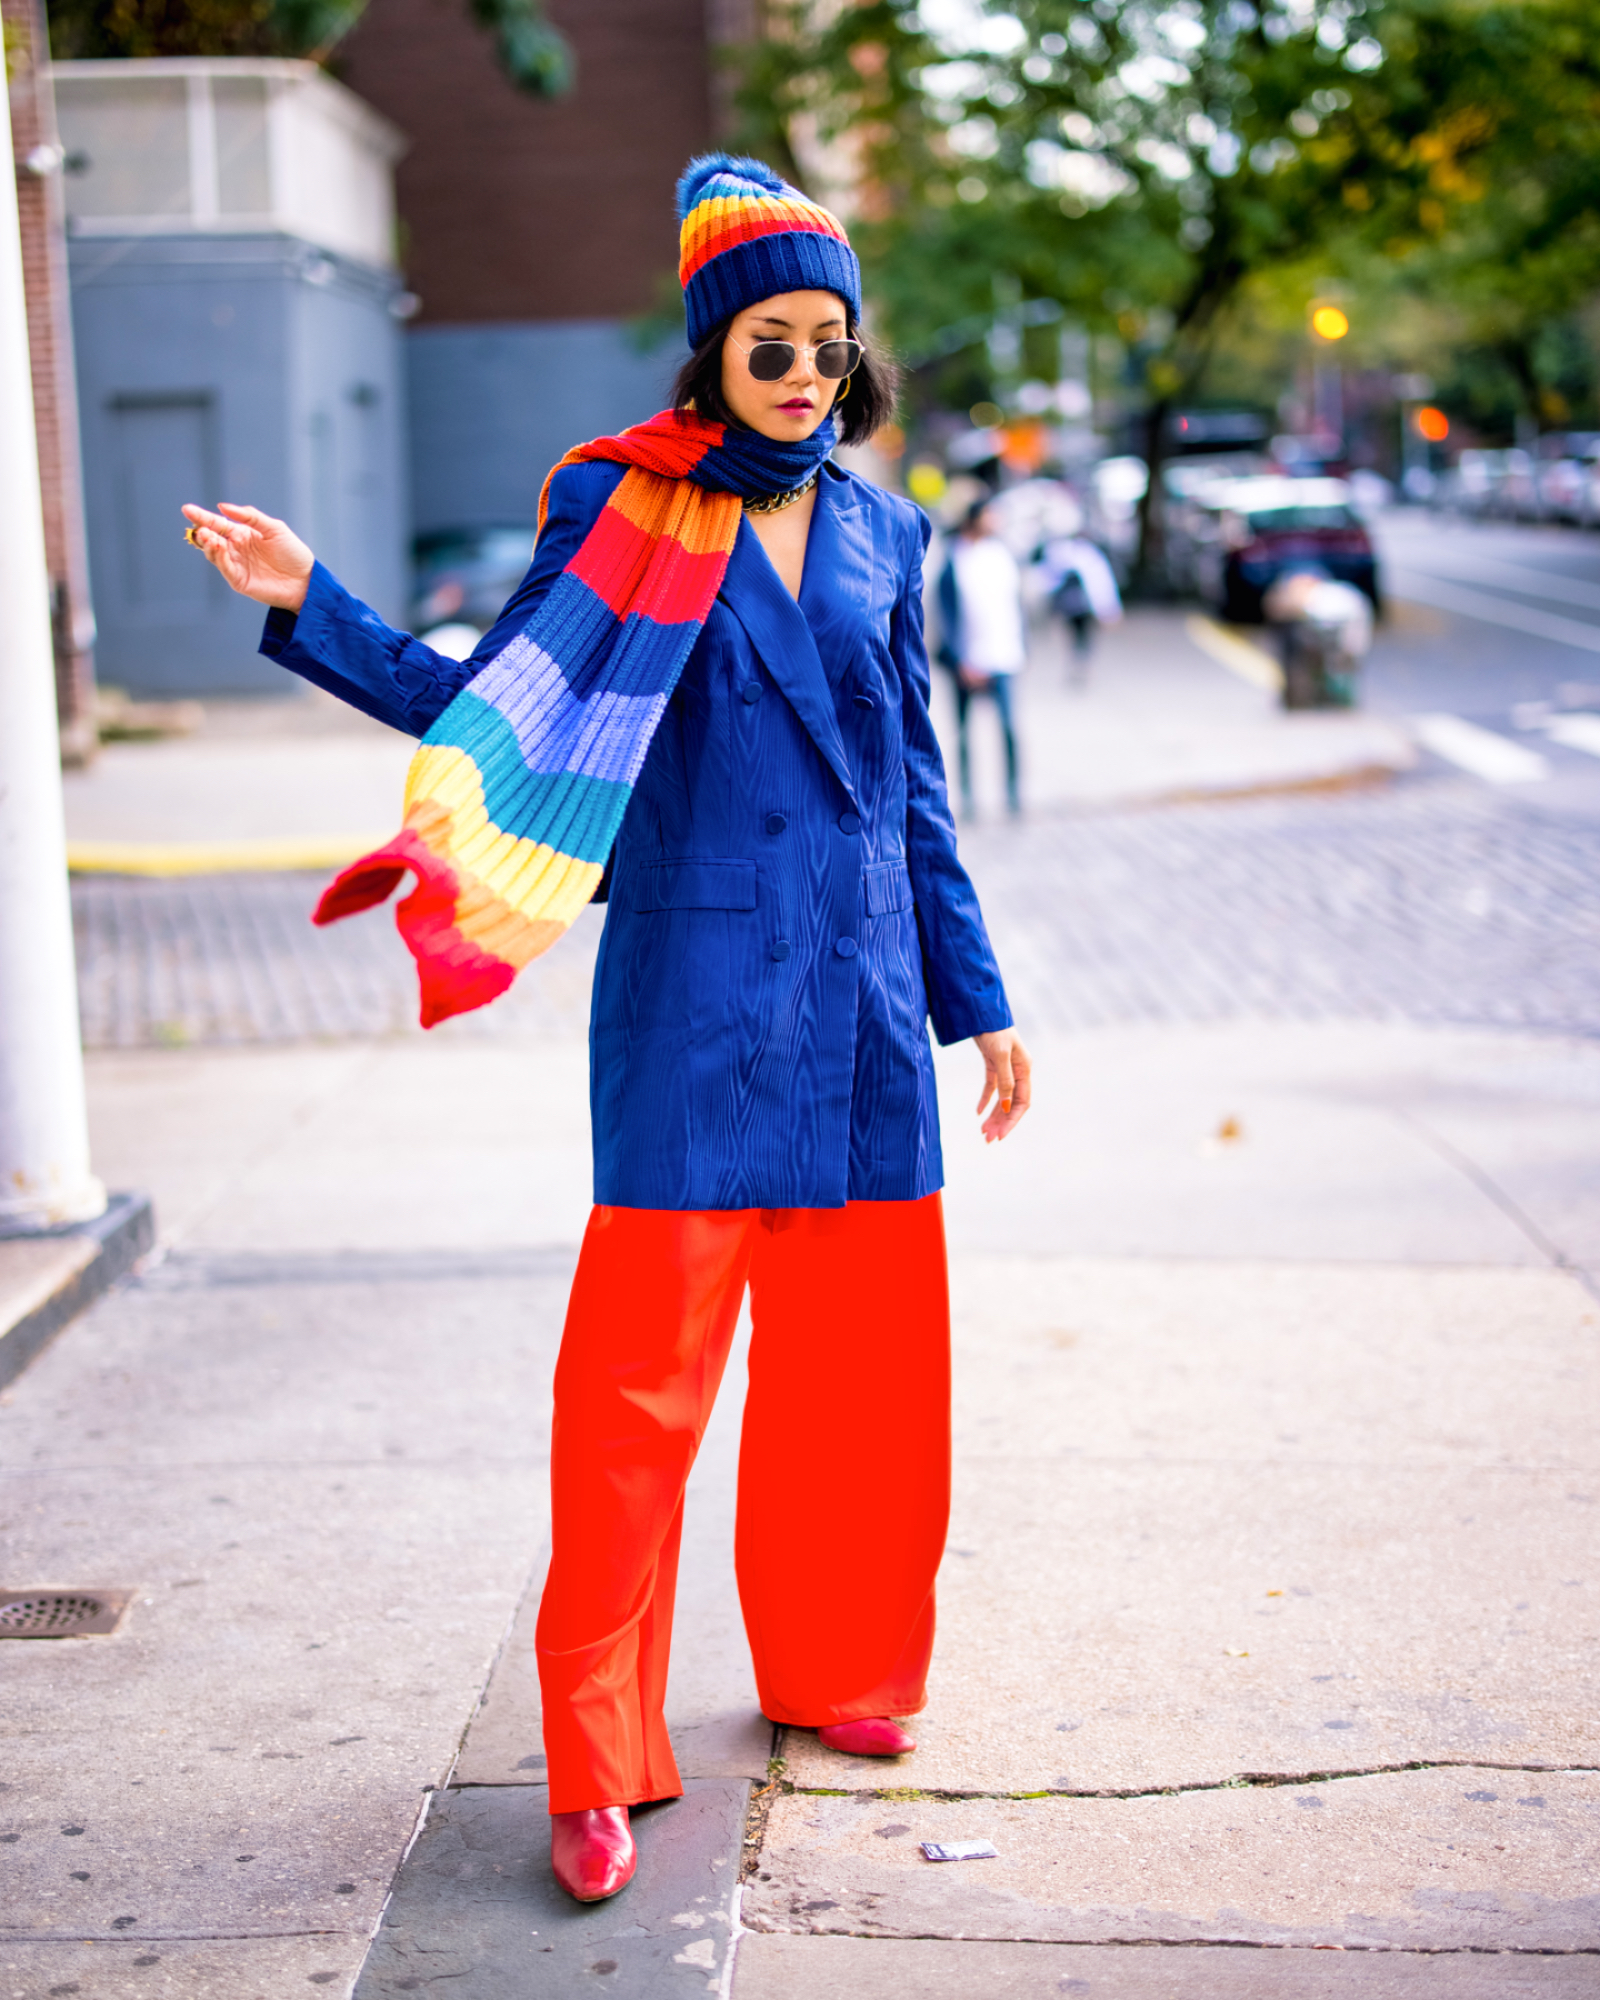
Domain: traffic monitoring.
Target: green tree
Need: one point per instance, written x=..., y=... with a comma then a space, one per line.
x=1503, y=241
x=533, y=52
x=1143, y=162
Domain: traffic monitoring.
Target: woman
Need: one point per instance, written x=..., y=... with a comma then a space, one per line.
x=712, y=684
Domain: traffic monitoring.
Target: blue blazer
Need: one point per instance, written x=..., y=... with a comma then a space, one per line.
x=786, y=909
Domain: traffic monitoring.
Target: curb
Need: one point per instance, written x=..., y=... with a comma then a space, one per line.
x=95, y=1255
x=218, y=857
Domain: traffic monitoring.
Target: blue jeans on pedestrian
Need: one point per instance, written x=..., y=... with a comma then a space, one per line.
x=998, y=687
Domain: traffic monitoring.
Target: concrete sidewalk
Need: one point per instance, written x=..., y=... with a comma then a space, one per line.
x=1267, y=1618
x=299, y=782
x=1175, y=706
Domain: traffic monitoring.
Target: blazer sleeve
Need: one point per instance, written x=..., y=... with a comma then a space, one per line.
x=966, y=995
x=342, y=645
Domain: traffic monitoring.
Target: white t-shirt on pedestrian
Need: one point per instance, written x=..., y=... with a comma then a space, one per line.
x=989, y=585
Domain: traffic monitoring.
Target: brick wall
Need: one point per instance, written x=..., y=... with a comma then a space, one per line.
x=514, y=208
x=55, y=396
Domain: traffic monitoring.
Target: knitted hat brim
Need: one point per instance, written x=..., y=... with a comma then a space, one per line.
x=795, y=260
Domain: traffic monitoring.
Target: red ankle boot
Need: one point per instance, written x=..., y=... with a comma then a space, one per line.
x=872, y=1736
x=592, y=1852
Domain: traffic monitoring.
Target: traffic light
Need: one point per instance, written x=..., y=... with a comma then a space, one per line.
x=1329, y=323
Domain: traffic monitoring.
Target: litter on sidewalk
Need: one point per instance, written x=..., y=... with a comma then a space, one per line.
x=960, y=1850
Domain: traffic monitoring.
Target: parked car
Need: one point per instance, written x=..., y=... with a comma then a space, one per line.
x=1192, y=487
x=1469, y=486
x=1565, y=465
x=465, y=575
x=1249, y=532
x=1516, y=493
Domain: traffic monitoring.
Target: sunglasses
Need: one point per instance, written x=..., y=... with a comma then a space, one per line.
x=771, y=360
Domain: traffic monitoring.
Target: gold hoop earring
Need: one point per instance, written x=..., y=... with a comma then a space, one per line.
x=844, y=391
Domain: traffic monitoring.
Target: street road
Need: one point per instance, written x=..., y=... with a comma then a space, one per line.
x=1498, y=626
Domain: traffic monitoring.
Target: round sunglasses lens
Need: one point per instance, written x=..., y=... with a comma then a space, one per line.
x=771, y=360
x=838, y=358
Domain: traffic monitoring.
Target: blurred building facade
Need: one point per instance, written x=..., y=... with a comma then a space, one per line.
x=236, y=309
x=536, y=233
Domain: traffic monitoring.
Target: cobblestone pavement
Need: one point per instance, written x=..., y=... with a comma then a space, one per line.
x=218, y=959
x=1431, y=901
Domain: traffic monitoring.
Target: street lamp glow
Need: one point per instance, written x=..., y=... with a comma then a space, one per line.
x=1328, y=323
x=1433, y=424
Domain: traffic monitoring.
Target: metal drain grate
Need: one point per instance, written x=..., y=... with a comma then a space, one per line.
x=61, y=1614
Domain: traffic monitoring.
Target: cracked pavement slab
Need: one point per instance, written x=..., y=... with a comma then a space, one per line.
x=476, y=1911
x=1437, y=1860
x=850, y=1968
x=1219, y=1519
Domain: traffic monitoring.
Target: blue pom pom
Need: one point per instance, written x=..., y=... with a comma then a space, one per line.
x=692, y=185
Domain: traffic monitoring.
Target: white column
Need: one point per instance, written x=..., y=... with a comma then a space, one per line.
x=205, y=190
x=44, y=1134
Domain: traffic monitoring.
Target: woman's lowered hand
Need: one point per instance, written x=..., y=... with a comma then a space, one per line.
x=259, y=557
x=1007, y=1080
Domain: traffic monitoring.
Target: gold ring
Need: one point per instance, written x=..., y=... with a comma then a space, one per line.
x=188, y=536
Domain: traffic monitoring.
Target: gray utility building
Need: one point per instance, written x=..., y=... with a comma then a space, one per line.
x=540, y=233
x=236, y=312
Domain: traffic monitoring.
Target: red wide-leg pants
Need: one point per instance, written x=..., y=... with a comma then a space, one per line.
x=844, y=1470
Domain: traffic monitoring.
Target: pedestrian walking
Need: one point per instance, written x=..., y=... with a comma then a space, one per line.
x=1081, y=589
x=707, y=704
x=983, y=638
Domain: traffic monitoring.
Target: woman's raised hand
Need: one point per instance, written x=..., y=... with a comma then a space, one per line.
x=259, y=557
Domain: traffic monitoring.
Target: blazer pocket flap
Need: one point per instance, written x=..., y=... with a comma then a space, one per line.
x=696, y=885
x=888, y=888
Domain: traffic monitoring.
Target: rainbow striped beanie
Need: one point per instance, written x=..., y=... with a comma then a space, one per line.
x=747, y=234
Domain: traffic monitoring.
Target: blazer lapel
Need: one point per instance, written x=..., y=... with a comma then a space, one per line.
x=777, y=628
x=841, y=575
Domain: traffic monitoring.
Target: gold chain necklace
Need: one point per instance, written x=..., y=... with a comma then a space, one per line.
x=774, y=503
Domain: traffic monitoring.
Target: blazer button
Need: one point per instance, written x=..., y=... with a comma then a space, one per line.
x=865, y=701
x=776, y=822
x=846, y=947
x=780, y=951
x=752, y=692
x=849, y=822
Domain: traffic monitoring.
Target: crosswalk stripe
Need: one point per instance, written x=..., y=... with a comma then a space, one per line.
x=1480, y=751
x=1576, y=732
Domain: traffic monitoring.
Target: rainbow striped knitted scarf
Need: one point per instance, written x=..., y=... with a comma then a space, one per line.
x=516, y=793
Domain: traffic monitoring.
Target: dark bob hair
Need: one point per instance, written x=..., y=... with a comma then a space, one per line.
x=868, y=406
